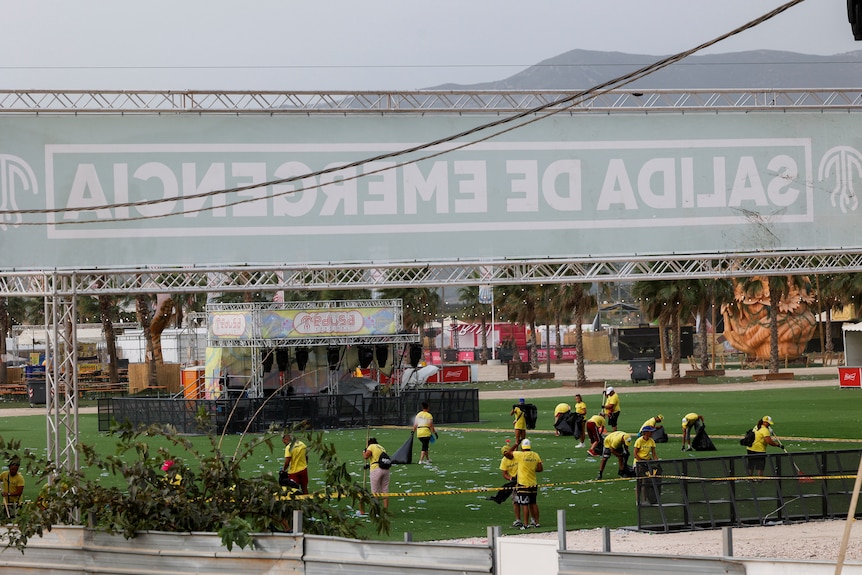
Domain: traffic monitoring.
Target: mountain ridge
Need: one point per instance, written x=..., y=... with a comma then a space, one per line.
x=753, y=69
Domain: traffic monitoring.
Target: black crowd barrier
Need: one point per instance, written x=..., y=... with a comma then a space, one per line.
x=319, y=411
x=712, y=492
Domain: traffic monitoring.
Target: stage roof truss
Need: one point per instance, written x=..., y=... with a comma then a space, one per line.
x=350, y=275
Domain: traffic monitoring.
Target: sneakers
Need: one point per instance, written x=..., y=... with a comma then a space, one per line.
x=578, y=446
x=533, y=525
x=598, y=477
x=517, y=524
x=687, y=448
x=522, y=527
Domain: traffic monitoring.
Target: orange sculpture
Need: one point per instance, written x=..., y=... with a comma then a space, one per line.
x=746, y=319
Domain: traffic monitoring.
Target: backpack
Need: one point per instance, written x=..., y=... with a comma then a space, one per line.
x=748, y=440
x=384, y=461
x=531, y=414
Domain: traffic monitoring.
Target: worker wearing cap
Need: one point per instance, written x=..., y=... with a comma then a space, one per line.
x=12, y=485
x=509, y=468
x=595, y=433
x=656, y=422
x=691, y=424
x=580, y=419
x=644, y=449
x=616, y=443
x=612, y=407
x=527, y=490
x=560, y=410
x=763, y=436
x=520, y=423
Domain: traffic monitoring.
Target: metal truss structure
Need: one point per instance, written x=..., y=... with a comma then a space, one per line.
x=61, y=287
x=424, y=101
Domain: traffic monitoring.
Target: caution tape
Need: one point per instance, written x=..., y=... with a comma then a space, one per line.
x=749, y=478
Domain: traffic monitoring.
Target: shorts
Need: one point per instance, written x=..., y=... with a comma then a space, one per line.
x=612, y=419
x=525, y=495
x=301, y=477
x=380, y=480
x=593, y=432
x=756, y=461
x=425, y=441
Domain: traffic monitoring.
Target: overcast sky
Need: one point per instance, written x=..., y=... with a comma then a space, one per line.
x=368, y=44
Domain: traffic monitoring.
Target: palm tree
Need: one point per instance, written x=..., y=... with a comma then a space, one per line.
x=666, y=301
x=522, y=303
x=419, y=306
x=572, y=301
x=708, y=295
x=5, y=327
x=142, y=308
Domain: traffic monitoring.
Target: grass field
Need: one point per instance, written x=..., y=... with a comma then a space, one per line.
x=436, y=501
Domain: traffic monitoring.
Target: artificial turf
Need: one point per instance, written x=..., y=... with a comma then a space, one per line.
x=447, y=499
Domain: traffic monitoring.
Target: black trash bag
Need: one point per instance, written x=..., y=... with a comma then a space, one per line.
x=659, y=435
x=564, y=424
x=627, y=471
x=504, y=492
x=285, y=481
x=702, y=442
x=404, y=455
x=577, y=425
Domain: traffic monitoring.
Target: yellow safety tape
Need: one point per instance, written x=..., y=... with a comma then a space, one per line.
x=802, y=478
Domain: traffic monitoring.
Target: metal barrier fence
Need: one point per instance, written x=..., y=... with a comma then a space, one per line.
x=320, y=411
x=711, y=492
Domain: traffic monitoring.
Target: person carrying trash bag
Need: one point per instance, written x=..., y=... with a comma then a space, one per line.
x=617, y=443
x=562, y=423
x=509, y=468
x=659, y=435
x=763, y=437
x=595, y=433
x=691, y=424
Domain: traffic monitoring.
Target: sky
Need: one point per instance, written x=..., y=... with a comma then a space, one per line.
x=325, y=45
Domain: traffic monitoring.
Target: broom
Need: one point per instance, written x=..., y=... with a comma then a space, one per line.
x=802, y=477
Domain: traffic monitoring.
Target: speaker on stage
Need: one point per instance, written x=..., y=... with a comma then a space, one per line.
x=415, y=355
x=382, y=353
x=282, y=358
x=301, y=358
x=366, y=355
x=332, y=357
x=267, y=357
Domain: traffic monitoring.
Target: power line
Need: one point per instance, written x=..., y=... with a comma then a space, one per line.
x=539, y=113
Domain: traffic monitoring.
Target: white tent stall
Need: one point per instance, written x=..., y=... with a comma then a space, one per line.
x=850, y=375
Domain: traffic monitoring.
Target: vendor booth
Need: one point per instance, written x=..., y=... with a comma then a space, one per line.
x=850, y=374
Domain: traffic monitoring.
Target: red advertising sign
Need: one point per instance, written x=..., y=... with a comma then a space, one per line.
x=850, y=376
x=451, y=374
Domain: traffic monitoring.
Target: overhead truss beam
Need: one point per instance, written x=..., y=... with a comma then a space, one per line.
x=346, y=275
x=422, y=102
